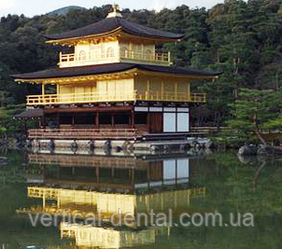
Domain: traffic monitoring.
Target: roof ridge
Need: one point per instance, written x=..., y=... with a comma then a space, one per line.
x=111, y=24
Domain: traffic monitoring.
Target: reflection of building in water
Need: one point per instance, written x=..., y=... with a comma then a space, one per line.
x=91, y=183
x=83, y=201
x=117, y=173
x=112, y=184
x=98, y=237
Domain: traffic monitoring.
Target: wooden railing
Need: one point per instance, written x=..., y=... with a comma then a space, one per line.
x=171, y=96
x=79, y=98
x=118, y=55
x=82, y=133
x=159, y=58
x=98, y=97
x=210, y=130
x=89, y=161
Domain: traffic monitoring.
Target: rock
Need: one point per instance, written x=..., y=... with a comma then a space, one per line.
x=3, y=158
x=248, y=150
x=269, y=150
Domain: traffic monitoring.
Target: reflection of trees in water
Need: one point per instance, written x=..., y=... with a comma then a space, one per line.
x=10, y=168
x=246, y=185
x=257, y=175
x=262, y=162
x=230, y=188
x=17, y=232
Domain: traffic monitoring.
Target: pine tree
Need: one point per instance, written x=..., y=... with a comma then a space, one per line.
x=255, y=110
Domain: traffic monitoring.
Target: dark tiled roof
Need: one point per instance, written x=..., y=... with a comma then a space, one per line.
x=178, y=70
x=75, y=71
x=109, y=68
x=31, y=113
x=110, y=25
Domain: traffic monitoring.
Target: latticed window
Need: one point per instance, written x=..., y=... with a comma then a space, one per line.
x=124, y=51
x=149, y=54
x=110, y=52
x=82, y=55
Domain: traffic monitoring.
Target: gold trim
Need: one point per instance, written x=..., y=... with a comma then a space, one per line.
x=171, y=75
x=128, y=73
x=101, y=35
x=75, y=79
x=117, y=32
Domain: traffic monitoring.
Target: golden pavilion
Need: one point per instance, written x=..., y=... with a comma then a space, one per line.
x=114, y=85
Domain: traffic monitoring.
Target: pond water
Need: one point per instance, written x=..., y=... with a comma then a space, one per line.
x=218, y=183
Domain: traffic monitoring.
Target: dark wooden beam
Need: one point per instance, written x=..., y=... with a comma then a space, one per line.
x=89, y=109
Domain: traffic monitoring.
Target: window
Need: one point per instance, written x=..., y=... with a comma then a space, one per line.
x=124, y=52
x=169, y=169
x=110, y=52
x=82, y=55
x=66, y=118
x=121, y=119
x=105, y=119
x=141, y=118
x=84, y=118
x=182, y=168
x=169, y=122
x=149, y=55
x=182, y=122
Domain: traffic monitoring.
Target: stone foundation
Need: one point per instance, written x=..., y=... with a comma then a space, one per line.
x=152, y=147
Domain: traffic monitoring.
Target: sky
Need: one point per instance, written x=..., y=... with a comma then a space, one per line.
x=37, y=7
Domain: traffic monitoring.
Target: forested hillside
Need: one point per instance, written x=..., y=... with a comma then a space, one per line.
x=244, y=40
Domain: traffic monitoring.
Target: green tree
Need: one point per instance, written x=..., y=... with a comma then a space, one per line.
x=255, y=110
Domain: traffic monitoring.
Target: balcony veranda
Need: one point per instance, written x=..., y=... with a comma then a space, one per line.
x=116, y=55
x=82, y=134
x=102, y=97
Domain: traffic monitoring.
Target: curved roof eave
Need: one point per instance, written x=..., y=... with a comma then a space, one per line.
x=111, y=25
x=54, y=73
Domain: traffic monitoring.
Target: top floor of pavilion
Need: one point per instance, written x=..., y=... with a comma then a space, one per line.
x=114, y=40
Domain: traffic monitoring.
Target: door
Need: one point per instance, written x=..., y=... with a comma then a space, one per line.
x=156, y=122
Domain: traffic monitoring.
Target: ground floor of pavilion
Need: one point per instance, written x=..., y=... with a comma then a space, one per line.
x=109, y=122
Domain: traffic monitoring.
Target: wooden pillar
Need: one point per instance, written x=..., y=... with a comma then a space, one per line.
x=132, y=176
x=58, y=120
x=162, y=89
x=97, y=175
x=176, y=169
x=44, y=200
x=58, y=89
x=59, y=173
x=98, y=119
x=113, y=120
x=149, y=121
x=175, y=91
x=73, y=121
x=73, y=172
x=132, y=119
x=58, y=202
x=147, y=90
x=148, y=174
x=44, y=122
x=43, y=88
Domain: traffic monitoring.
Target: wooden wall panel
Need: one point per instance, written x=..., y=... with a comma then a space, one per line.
x=156, y=122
